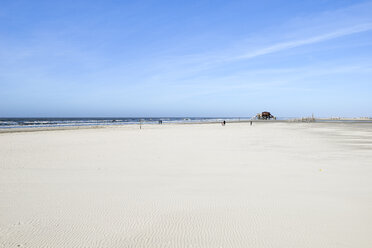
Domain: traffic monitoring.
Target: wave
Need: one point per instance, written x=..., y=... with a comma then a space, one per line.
x=55, y=122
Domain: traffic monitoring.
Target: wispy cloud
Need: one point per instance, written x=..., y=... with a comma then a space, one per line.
x=191, y=66
x=301, y=42
x=298, y=33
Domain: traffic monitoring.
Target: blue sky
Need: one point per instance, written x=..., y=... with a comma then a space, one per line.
x=185, y=58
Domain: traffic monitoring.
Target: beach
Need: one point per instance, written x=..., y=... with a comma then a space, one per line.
x=272, y=184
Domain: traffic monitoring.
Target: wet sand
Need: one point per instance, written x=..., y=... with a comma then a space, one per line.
x=266, y=185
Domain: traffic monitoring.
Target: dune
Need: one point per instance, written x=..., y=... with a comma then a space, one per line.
x=266, y=185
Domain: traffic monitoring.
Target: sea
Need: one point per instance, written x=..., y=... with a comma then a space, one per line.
x=97, y=121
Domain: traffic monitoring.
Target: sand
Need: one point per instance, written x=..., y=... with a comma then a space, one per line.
x=266, y=185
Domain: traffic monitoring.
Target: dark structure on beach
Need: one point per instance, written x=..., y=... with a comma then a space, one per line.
x=265, y=116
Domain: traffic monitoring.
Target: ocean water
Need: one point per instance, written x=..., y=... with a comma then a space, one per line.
x=55, y=122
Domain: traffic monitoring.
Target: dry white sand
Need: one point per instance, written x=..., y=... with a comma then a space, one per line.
x=266, y=185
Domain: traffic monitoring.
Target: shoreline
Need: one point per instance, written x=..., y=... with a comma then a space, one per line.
x=78, y=127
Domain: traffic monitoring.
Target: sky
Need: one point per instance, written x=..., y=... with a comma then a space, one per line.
x=185, y=58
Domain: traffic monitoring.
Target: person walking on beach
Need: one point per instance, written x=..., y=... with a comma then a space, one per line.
x=251, y=123
x=223, y=123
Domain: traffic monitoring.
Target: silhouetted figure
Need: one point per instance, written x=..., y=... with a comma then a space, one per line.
x=251, y=123
x=224, y=123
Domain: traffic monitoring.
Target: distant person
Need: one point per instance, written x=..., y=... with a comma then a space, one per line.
x=251, y=123
x=224, y=123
